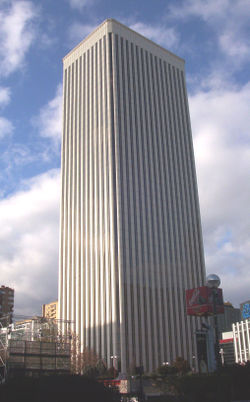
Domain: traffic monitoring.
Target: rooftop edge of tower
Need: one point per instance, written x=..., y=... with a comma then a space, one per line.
x=108, y=26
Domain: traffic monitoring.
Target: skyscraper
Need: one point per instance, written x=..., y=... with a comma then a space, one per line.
x=131, y=239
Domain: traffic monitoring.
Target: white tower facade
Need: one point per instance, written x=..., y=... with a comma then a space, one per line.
x=131, y=239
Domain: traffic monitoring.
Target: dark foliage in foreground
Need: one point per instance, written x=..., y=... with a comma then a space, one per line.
x=230, y=383
x=56, y=389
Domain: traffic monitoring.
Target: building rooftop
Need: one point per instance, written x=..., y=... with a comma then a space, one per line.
x=110, y=23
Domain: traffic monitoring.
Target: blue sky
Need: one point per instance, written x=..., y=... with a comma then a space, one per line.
x=213, y=36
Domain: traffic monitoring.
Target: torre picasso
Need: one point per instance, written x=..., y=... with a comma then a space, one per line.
x=131, y=240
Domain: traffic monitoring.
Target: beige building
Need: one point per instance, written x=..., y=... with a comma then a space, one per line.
x=131, y=240
x=50, y=310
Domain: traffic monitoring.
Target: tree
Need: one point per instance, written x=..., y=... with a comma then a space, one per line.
x=101, y=367
x=132, y=368
x=166, y=370
x=181, y=365
x=112, y=372
x=90, y=364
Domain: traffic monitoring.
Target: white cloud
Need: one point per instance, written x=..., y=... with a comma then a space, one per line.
x=166, y=37
x=16, y=34
x=234, y=45
x=19, y=158
x=229, y=19
x=78, y=32
x=4, y=96
x=49, y=121
x=221, y=127
x=206, y=9
x=211, y=10
x=80, y=4
x=29, y=242
x=6, y=127
x=16, y=155
x=47, y=41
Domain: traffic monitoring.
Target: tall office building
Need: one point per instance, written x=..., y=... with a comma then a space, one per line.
x=6, y=305
x=131, y=239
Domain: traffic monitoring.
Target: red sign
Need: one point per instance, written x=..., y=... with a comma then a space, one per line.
x=229, y=340
x=110, y=383
x=199, y=301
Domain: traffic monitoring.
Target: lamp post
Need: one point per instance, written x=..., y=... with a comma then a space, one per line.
x=114, y=358
x=213, y=282
x=165, y=365
x=222, y=356
x=193, y=363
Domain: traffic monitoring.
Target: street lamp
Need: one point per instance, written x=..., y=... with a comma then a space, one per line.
x=222, y=356
x=193, y=363
x=114, y=358
x=165, y=363
x=213, y=282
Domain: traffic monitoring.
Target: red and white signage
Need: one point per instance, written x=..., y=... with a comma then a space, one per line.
x=199, y=301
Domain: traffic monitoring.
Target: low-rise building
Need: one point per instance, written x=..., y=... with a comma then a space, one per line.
x=227, y=349
x=241, y=336
x=34, y=347
x=230, y=316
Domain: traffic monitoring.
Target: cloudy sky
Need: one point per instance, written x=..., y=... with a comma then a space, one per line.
x=213, y=36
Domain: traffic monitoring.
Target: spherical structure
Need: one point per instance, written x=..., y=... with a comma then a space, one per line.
x=213, y=281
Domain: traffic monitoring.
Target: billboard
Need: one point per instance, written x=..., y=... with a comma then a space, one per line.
x=199, y=301
x=245, y=310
